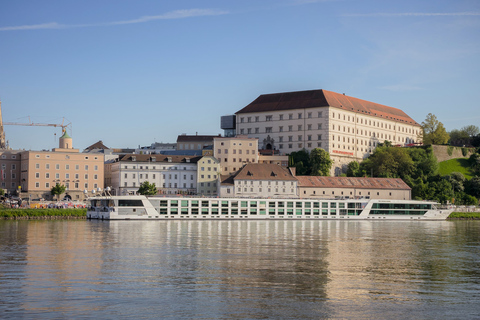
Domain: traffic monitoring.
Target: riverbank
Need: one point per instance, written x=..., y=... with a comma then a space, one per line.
x=55, y=214
x=464, y=216
x=42, y=214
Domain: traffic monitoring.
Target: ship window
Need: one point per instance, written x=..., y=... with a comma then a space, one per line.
x=130, y=203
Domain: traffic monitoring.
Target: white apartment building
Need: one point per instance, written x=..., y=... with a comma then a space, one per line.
x=234, y=152
x=171, y=174
x=346, y=127
x=260, y=180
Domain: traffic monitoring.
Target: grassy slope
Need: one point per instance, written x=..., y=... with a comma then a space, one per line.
x=455, y=165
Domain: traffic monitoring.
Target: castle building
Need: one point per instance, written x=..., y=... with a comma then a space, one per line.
x=348, y=128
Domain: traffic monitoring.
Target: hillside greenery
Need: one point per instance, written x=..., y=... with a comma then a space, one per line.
x=456, y=165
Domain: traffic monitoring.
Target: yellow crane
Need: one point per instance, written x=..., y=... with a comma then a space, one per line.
x=30, y=123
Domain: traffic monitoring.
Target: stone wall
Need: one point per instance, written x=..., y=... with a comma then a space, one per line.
x=441, y=152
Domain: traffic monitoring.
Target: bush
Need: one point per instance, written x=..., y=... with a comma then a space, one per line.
x=450, y=150
x=14, y=213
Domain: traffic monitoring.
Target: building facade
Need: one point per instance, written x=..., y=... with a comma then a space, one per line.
x=170, y=174
x=348, y=128
x=10, y=171
x=194, y=142
x=208, y=176
x=234, y=152
x=350, y=187
x=260, y=180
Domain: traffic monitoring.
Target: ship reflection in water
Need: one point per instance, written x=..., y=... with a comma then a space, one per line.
x=239, y=269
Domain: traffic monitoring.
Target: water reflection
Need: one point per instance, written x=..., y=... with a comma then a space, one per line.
x=239, y=269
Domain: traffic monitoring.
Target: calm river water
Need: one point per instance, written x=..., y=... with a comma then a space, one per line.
x=239, y=269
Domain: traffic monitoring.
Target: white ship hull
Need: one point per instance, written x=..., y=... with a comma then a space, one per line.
x=198, y=208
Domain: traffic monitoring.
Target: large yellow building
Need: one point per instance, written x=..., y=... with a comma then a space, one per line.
x=41, y=170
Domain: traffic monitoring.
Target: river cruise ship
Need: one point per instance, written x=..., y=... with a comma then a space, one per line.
x=136, y=207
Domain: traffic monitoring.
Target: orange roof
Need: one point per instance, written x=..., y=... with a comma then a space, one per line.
x=324, y=98
x=351, y=182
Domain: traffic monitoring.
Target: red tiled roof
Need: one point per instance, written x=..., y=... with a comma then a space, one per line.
x=351, y=182
x=264, y=171
x=324, y=98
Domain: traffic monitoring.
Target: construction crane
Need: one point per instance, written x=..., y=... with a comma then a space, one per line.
x=30, y=123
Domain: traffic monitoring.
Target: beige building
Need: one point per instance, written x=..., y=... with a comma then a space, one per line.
x=260, y=180
x=348, y=128
x=41, y=170
x=10, y=171
x=208, y=176
x=234, y=152
x=349, y=187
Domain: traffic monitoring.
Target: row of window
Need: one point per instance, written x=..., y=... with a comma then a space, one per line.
x=372, y=123
x=67, y=166
x=239, y=190
x=281, y=117
x=281, y=129
x=251, y=182
x=67, y=176
x=234, y=151
x=47, y=156
x=155, y=168
x=164, y=185
x=76, y=185
x=154, y=176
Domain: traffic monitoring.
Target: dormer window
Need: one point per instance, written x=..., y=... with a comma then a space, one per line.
x=134, y=158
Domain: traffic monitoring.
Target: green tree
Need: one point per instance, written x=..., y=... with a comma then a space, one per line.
x=470, y=131
x=147, y=189
x=301, y=161
x=57, y=190
x=353, y=169
x=320, y=162
x=473, y=187
x=388, y=162
x=433, y=131
x=425, y=162
x=2, y=192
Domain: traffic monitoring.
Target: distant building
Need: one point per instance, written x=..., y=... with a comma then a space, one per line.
x=234, y=152
x=10, y=163
x=348, y=128
x=194, y=142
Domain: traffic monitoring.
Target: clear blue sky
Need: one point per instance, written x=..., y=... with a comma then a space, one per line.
x=134, y=72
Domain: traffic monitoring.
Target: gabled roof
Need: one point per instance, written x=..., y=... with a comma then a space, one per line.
x=351, y=182
x=155, y=158
x=264, y=171
x=97, y=145
x=324, y=98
